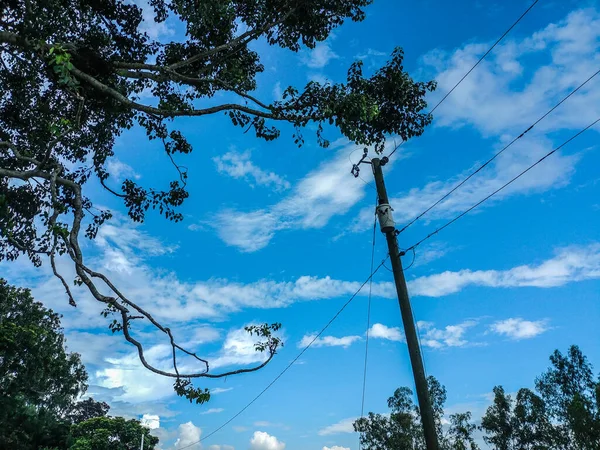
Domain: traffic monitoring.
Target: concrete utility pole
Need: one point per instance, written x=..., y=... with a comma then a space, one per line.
x=386, y=222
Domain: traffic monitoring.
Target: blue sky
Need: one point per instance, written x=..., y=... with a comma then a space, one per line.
x=277, y=233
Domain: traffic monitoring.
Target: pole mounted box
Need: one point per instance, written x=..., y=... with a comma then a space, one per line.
x=386, y=220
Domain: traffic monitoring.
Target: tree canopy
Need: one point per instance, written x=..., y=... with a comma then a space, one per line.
x=110, y=433
x=563, y=414
x=39, y=380
x=76, y=74
x=402, y=429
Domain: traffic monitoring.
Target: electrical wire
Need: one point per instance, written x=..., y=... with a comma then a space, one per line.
x=473, y=68
x=484, y=56
x=294, y=360
x=364, y=387
x=414, y=246
x=447, y=194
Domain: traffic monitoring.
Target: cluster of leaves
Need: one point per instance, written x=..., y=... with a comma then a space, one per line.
x=39, y=384
x=563, y=415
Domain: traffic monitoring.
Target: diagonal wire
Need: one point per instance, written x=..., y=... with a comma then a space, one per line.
x=473, y=68
x=484, y=56
x=414, y=246
x=447, y=194
x=294, y=360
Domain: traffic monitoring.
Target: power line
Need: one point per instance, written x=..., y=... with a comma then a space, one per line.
x=412, y=247
x=485, y=54
x=473, y=68
x=447, y=194
x=364, y=387
x=293, y=361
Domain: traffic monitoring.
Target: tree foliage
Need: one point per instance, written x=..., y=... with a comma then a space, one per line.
x=110, y=433
x=39, y=380
x=87, y=409
x=73, y=74
x=402, y=430
x=564, y=414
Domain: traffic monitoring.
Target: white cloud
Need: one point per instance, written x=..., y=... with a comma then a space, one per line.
x=517, y=328
x=554, y=173
x=570, y=264
x=489, y=99
x=328, y=341
x=370, y=53
x=320, y=56
x=277, y=91
x=502, y=99
x=449, y=336
x=336, y=447
x=264, y=441
x=239, y=165
x=212, y=411
x=153, y=29
x=216, y=391
x=151, y=421
x=343, y=426
x=189, y=437
x=119, y=170
x=325, y=192
x=220, y=447
x=380, y=331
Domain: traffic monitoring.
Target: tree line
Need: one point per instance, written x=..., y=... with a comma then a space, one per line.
x=562, y=413
x=40, y=383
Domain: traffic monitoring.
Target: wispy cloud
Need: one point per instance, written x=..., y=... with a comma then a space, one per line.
x=449, y=336
x=322, y=194
x=501, y=99
x=328, y=341
x=489, y=98
x=119, y=170
x=216, y=391
x=570, y=264
x=517, y=328
x=430, y=336
x=320, y=56
x=212, y=411
x=239, y=165
x=343, y=426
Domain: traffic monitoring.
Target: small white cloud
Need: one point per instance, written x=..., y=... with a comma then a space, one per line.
x=150, y=421
x=189, y=437
x=380, y=331
x=212, y=411
x=119, y=170
x=217, y=391
x=370, y=53
x=239, y=165
x=517, y=328
x=264, y=441
x=328, y=341
x=449, y=336
x=277, y=91
x=336, y=447
x=343, y=426
x=320, y=56
x=220, y=447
